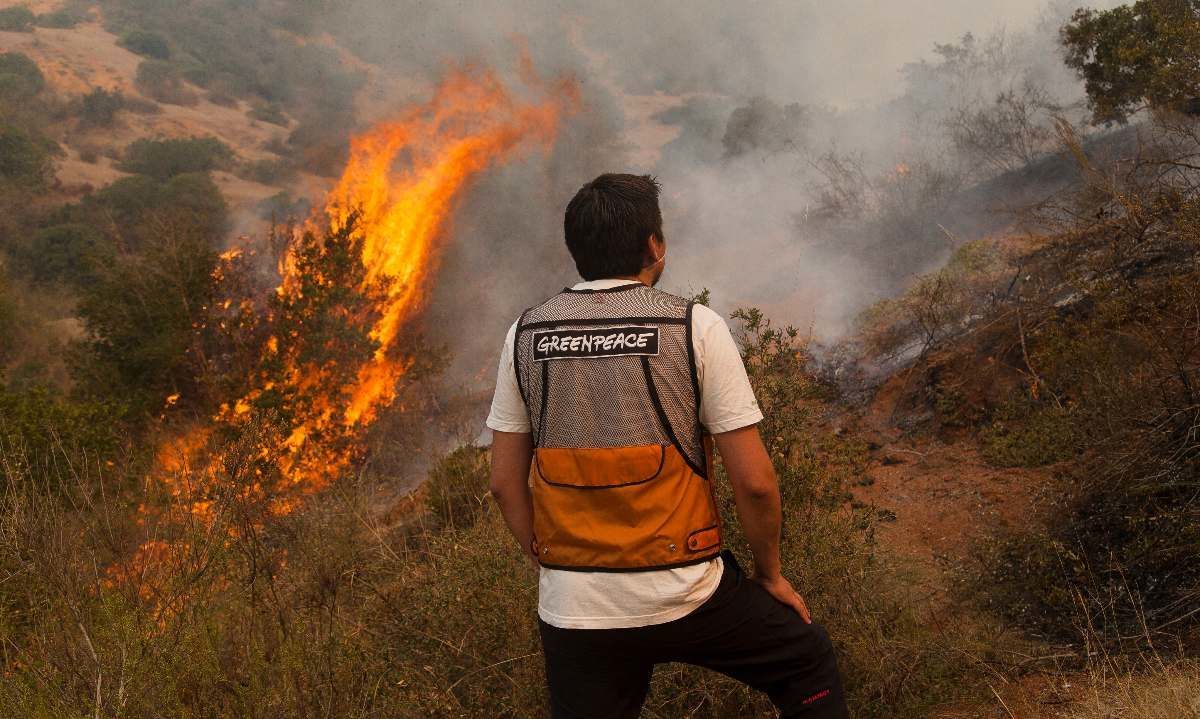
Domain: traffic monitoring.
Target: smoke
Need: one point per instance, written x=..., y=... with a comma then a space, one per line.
x=808, y=151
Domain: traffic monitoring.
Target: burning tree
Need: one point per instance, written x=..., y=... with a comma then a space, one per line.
x=352, y=281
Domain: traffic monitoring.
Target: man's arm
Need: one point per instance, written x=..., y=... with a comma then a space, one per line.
x=756, y=493
x=511, y=455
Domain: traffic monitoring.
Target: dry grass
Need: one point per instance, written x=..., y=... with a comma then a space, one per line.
x=1162, y=691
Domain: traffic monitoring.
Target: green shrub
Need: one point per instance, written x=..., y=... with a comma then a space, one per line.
x=62, y=18
x=269, y=112
x=24, y=159
x=20, y=77
x=162, y=81
x=147, y=44
x=132, y=204
x=1024, y=433
x=38, y=428
x=163, y=159
x=268, y=172
x=16, y=19
x=99, y=107
x=282, y=206
x=64, y=252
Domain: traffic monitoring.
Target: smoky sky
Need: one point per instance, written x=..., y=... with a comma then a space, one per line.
x=660, y=81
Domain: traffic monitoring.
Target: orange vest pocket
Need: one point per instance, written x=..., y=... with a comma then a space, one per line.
x=630, y=508
x=600, y=468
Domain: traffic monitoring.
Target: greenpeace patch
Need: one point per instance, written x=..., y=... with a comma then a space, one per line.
x=606, y=342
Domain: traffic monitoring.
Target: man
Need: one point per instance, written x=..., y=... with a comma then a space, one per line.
x=606, y=398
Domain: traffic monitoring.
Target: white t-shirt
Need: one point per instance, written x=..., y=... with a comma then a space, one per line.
x=609, y=600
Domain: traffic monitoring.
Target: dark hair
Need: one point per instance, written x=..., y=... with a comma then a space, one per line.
x=607, y=223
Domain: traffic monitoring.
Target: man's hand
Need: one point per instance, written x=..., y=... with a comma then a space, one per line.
x=781, y=589
x=756, y=494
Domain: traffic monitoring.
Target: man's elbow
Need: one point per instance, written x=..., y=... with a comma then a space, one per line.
x=758, y=488
x=503, y=490
x=498, y=489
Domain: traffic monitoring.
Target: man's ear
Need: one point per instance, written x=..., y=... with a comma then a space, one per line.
x=655, y=247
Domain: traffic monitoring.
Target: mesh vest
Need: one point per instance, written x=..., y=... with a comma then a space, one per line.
x=620, y=478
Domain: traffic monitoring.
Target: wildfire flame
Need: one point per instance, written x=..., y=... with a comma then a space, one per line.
x=399, y=189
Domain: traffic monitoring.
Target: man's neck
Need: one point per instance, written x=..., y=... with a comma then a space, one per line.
x=645, y=277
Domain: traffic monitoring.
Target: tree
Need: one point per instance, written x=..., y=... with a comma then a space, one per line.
x=1144, y=54
x=140, y=310
x=764, y=126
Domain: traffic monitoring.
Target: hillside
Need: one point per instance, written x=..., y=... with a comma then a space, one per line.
x=80, y=59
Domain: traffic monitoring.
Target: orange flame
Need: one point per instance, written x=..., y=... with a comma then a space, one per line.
x=401, y=185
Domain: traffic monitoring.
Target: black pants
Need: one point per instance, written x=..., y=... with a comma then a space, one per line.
x=741, y=631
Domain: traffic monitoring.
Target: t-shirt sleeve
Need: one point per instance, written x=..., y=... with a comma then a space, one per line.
x=509, y=413
x=727, y=400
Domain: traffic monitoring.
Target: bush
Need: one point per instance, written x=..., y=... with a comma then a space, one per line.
x=1026, y=433
x=16, y=19
x=134, y=204
x=147, y=44
x=162, y=81
x=281, y=207
x=39, y=428
x=268, y=172
x=24, y=159
x=99, y=107
x=269, y=112
x=163, y=159
x=64, y=252
x=20, y=77
x=62, y=18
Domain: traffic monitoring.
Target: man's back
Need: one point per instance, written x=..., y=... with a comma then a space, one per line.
x=605, y=397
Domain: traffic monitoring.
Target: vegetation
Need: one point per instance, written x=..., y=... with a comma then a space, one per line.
x=25, y=159
x=164, y=82
x=164, y=159
x=62, y=18
x=20, y=77
x=1137, y=55
x=269, y=112
x=16, y=19
x=99, y=107
x=149, y=44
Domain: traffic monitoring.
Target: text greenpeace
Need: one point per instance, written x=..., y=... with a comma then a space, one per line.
x=606, y=342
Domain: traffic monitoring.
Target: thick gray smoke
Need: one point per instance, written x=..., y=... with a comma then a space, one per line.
x=815, y=156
